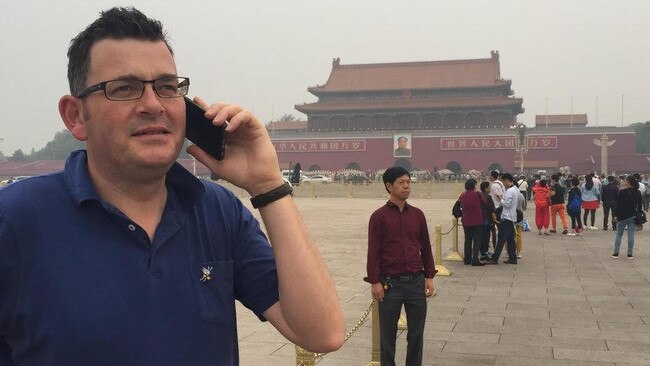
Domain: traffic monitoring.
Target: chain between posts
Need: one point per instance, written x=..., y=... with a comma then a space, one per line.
x=348, y=335
x=450, y=230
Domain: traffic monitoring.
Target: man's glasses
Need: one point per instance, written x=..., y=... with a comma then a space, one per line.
x=131, y=89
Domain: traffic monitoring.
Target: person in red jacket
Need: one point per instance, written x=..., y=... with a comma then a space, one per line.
x=542, y=218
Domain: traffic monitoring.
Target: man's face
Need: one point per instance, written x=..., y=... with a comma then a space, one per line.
x=146, y=133
x=401, y=188
x=507, y=183
x=401, y=142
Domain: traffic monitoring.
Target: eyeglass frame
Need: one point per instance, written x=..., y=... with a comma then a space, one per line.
x=102, y=86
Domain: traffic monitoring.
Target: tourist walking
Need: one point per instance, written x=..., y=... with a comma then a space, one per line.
x=590, y=200
x=522, y=184
x=629, y=202
x=557, y=205
x=542, y=194
x=608, y=197
x=489, y=223
x=573, y=207
x=507, y=222
x=473, y=204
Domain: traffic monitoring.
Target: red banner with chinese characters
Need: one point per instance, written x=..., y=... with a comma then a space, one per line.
x=320, y=145
x=496, y=143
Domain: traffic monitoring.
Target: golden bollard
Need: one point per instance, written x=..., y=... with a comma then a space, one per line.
x=430, y=189
x=454, y=255
x=305, y=358
x=442, y=270
x=375, y=353
x=349, y=190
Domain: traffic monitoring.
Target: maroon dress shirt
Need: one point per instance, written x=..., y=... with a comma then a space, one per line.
x=398, y=243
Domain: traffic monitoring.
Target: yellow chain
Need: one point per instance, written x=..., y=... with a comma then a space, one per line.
x=349, y=334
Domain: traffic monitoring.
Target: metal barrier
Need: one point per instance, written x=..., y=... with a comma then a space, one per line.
x=306, y=358
x=453, y=255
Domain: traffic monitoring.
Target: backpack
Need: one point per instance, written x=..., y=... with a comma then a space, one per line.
x=457, y=211
x=573, y=208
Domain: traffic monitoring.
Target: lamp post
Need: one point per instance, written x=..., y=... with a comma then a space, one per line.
x=521, y=144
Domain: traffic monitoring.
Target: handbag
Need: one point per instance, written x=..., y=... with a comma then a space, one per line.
x=457, y=211
x=640, y=217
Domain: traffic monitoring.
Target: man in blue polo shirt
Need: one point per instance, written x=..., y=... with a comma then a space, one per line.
x=124, y=257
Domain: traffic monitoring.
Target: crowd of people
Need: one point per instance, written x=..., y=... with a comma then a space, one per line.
x=492, y=215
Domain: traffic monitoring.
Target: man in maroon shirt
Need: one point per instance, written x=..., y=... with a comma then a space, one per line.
x=400, y=267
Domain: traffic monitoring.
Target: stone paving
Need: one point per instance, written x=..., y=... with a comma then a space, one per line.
x=567, y=302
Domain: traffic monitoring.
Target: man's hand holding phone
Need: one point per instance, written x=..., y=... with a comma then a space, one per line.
x=251, y=161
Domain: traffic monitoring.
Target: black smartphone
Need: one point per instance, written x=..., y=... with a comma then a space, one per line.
x=202, y=133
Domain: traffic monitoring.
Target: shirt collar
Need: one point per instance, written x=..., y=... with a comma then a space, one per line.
x=389, y=203
x=186, y=186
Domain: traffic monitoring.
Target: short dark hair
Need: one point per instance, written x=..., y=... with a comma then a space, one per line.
x=507, y=176
x=116, y=23
x=494, y=174
x=470, y=184
x=542, y=183
x=632, y=181
x=484, y=185
x=392, y=173
x=575, y=181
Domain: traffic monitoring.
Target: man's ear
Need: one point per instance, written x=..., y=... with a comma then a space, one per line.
x=71, y=111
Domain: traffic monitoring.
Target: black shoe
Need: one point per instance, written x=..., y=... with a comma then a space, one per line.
x=484, y=258
x=478, y=264
x=604, y=228
x=552, y=231
x=492, y=261
x=510, y=261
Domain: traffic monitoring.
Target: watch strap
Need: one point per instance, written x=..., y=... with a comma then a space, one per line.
x=264, y=199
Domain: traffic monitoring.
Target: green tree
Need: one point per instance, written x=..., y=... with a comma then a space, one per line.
x=288, y=117
x=59, y=148
x=642, y=130
x=18, y=155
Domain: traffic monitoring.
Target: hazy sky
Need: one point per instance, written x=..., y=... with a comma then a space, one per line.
x=590, y=56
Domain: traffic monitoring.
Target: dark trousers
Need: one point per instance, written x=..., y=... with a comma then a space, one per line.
x=576, y=223
x=485, y=238
x=411, y=295
x=473, y=236
x=593, y=217
x=525, y=200
x=607, y=206
x=506, y=235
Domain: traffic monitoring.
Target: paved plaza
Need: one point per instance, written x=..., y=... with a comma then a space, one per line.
x=567, y=302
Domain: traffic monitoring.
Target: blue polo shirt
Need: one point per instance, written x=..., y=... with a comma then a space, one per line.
x=82, y=284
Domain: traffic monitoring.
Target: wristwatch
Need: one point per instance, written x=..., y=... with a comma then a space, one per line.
x=264, y=199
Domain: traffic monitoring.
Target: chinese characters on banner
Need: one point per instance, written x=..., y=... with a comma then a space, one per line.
x=496, y=143
x=320, y=145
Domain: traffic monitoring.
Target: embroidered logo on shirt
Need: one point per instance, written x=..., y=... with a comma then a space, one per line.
x=207, y=274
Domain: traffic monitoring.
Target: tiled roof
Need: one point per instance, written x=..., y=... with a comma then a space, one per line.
x=413, y=75
x=561, y=119
x=286, y=125
x=438, y=103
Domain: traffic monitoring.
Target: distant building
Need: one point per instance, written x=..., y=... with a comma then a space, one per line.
x=457, y=113
x=561, y=120
x=429, y=95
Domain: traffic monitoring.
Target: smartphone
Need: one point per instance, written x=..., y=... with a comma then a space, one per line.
x=202, y=133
